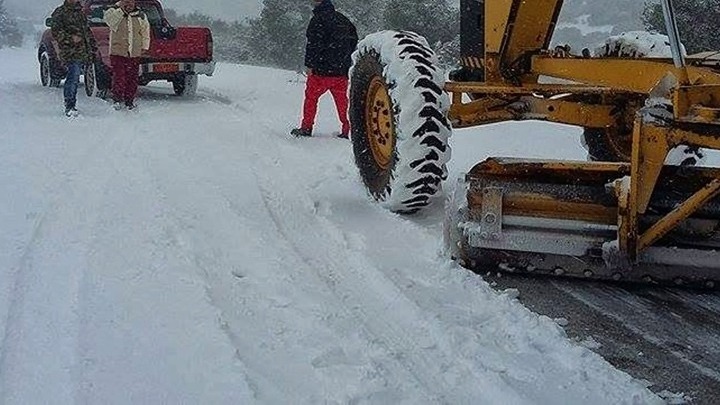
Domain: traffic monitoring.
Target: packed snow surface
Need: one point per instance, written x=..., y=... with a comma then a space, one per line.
x=192, y=252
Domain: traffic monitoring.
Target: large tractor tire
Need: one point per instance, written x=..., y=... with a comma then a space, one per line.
x=398, y=113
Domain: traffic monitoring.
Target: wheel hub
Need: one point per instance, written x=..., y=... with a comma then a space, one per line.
x=379, y=123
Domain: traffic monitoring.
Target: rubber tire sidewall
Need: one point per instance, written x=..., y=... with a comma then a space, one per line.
x=48, y=80
x=412, y=178
x=44, y=69
x=376, y=179
x=90, y=80
x=99, y=86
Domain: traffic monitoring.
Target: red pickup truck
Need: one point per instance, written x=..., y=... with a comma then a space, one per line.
x=177, y=55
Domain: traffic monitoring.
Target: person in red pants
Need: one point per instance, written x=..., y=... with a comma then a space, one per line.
x=129, y=39
x=331, y=40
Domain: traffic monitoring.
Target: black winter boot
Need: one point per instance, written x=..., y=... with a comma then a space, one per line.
x=299, y=132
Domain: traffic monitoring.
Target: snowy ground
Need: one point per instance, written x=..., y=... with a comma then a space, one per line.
x=192, y=252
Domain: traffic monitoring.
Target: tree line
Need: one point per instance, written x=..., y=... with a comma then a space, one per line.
x=10, y=33
x=697, y=20
x=277, y=36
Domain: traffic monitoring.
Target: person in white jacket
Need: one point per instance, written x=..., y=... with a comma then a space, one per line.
x=129, y=40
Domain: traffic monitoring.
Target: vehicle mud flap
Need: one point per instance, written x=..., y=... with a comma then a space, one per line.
x=185, y=85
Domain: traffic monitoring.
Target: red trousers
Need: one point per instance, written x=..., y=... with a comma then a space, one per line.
x=316, y=87
x=124, y=78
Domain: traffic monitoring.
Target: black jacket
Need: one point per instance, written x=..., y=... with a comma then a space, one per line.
x=331, y=40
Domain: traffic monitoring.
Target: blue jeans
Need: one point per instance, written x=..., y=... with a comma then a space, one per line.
x=74, y=68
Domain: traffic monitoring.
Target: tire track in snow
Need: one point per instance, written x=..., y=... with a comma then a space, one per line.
x=15, y=308
x=345, y=287
x=80, y=175
x=194, y=257
x=427, y=367
x=97, y=187
x=223, y=325
x=419, y=368
x=426, y=364
x=26, y=280
x=409, y=348
x=180, y=228
x=185, y=251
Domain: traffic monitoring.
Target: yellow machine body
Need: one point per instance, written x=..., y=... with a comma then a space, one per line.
x=636, y=220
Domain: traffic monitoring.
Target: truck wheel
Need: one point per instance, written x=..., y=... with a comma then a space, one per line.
x=95, y=80
x=46, y=71
x=398, y=114
x=89, y=80
x=186, y=85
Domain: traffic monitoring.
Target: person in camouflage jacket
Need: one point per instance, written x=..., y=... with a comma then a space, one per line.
x=77, y=46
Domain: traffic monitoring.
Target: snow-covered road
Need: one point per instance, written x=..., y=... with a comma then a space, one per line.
x=192, y=252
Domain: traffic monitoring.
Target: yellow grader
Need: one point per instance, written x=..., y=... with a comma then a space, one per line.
x=630, y=217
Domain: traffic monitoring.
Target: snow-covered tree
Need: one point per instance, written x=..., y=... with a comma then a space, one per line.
x=10, y=35
x=235, y=46
x=697, y=22
x=366, y=15
x=230, y=38
x=433, y=19
x=277, y=37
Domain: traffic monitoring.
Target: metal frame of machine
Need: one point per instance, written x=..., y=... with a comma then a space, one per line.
x=637, y=221
x=630, y=217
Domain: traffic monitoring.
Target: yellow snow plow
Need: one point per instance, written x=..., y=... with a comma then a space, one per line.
x=630, y=216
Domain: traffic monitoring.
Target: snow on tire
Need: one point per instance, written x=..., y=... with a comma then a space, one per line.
x=398, y=112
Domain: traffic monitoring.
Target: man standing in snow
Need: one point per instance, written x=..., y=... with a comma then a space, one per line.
x=71, y=31
x=129, y=39
x=331, y=40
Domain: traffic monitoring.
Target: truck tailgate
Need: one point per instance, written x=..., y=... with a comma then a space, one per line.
x=189, y=44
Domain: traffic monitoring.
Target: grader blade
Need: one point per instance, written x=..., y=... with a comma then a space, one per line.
x=561, y=218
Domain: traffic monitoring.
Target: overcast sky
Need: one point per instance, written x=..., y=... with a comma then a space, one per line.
x=227, y=9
